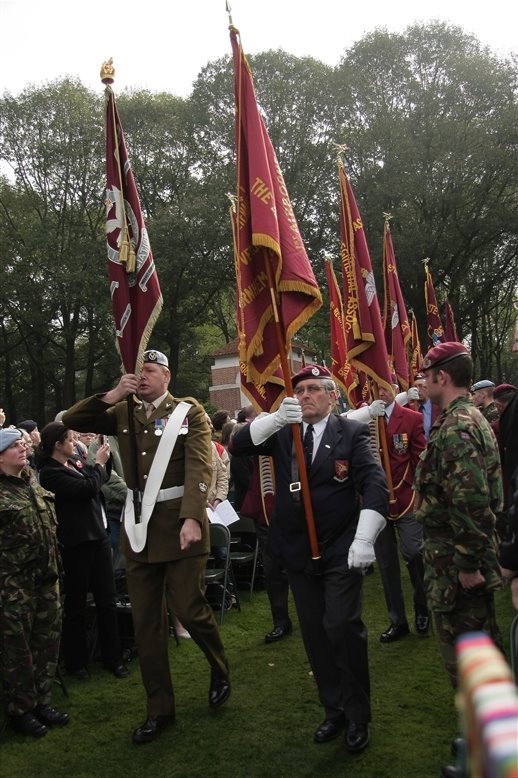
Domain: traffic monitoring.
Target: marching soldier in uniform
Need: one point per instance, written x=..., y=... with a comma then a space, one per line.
x=459, y=486
x=405, y=442
x=166, y=551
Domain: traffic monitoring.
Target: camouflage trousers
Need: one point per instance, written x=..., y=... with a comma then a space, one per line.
x=30, y=630
x=473, y=612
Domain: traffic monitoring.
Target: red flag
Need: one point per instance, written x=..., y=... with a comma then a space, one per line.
x=266, y=232
x=434, y=325
x=416, y=359
x=366, y=349
x=343, y=373
x=395, y=319
x=450, y=330
x=134, y=287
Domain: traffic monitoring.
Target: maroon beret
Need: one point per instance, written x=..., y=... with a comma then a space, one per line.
x=310, y=371
x=503, y=389
x=444, y=352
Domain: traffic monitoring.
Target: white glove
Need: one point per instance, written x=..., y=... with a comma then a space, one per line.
x=358, y=414
x=401, y=398
x=376, y=408
x=361, y=552
x=413, y=393
x=264, y=426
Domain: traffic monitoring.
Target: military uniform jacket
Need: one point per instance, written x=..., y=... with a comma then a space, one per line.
x=459, y=483
x=405, y=441
x=28, y=541
x=343, y=477
x=189, y=466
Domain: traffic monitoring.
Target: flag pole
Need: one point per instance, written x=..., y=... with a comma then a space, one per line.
x=295, y=428
x=127, y=256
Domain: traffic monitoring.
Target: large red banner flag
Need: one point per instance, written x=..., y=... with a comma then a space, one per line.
x=268, y=244
x=343, y=373
x=366, y=349
x=433, y=320
x=264, y=396
x=395, y=319
x=134, y=287
x=450, y=330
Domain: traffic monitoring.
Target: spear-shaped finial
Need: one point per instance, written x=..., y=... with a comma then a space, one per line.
x=229, y=11
x=233, y=201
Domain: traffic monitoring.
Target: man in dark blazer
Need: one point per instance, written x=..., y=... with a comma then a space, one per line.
x=177, y=544
x=405, y=442
x=349, y=498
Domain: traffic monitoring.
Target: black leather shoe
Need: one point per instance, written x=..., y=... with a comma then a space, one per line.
x=151, y=729
x=356, y=737
x=451, y=772
x=422, y=623
x=219, y=691
x=28, y=724
x=278, y=633
x=119, y=671
x=81, y=674
x=394, y=632
x=329, y=729
x=458, y=746
x=50, y=716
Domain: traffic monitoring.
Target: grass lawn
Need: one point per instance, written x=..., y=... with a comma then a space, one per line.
x=266, y=728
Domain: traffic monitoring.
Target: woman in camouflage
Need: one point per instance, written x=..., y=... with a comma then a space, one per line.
x=30, y=607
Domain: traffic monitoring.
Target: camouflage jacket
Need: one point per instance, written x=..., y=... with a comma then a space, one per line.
x=490, y=412
x=27, y=527
x=459, y=485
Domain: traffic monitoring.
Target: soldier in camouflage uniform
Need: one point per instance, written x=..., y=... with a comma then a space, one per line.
x=483, y=399
x=30, y=608
x=459, y=485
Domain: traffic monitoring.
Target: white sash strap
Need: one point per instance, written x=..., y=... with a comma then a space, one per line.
x=137, y=533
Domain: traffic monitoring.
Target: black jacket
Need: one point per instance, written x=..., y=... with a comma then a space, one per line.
x=77, y=490
x=343, y=477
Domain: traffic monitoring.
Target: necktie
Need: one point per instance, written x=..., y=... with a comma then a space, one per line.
x=308, y=445
x=149, y=410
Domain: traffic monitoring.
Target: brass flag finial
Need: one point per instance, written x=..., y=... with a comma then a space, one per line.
x=340, y=149
x=425, y=261
x=107, y=72
x=387, y=216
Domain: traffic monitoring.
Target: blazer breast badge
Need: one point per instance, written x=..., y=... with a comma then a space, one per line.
x=341, y=470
